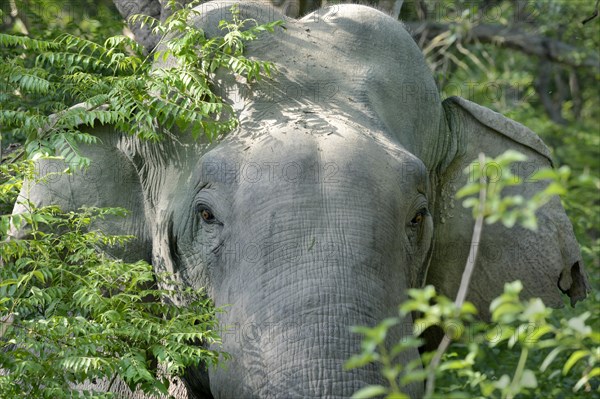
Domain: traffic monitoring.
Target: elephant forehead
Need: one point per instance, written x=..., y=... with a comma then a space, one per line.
x=357, y=62
x=287, y=157
x=347, y=54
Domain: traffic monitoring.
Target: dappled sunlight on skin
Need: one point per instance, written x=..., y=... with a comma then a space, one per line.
x=303, y=221
x=314, y=195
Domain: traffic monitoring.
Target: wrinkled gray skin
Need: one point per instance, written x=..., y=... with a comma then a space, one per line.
x=160, y=10
x=315, y=198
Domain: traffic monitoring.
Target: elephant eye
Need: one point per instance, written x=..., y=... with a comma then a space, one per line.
x=206, y=214
x=418, y=218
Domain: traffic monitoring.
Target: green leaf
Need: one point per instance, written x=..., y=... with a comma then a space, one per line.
x=550, y=358
x=454, y=365
x=503, y=382
x=540, y=331
x=509, y=157
x=595, y=372
x=534, y=309
x=405, y=344
x=574, y=358
x=418, y=375
x=8, y=281
x=528, y=380
x=555, y=188
x=360, y=360
x=370, y=392
x=578, y=323
x=38, y=274
x=506, y=312
x=467, y=190
x=396, y=395
x=543, y=174
x=468, y=308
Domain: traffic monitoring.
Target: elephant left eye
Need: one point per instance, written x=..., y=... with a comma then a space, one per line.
x=418, y=218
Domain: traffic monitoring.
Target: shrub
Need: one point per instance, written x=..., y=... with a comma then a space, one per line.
x=524, y=352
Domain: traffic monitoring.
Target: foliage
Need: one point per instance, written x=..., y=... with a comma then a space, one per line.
x=510, y=82
x=521, y=86
x=47, y=19
x=474, y=367
x=525, y=327
x=509, y=209
x=71, y=313
x=504, y=80
x=115, y=83
x=476, y=364
x=374, y=342
x=558, y=102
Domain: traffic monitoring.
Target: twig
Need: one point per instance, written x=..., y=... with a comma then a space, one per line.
x=112, y=381
x=514, y=38
x=464, y=282
x=594, y=15
x=466, y=277
x=17, y=14
x=518, y=373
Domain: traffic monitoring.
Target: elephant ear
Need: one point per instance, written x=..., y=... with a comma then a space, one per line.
x=547, y=261
x=110, y=181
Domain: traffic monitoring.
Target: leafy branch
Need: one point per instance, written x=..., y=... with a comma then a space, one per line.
x=515, y=322
x=71, y=314
x=116, y=83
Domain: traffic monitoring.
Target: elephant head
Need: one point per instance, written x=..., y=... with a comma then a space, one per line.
x=332, y=198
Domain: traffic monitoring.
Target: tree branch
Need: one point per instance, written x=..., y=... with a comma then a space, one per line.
x=594, y=15
x=15, y=13
x=528, y=43
x=542, y=87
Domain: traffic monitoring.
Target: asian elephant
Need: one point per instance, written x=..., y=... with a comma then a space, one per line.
x=333, y=196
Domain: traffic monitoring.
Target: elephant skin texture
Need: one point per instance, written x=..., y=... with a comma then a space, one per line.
x=333, y=196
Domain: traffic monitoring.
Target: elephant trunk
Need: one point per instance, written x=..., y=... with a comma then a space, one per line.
x=302, y=302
